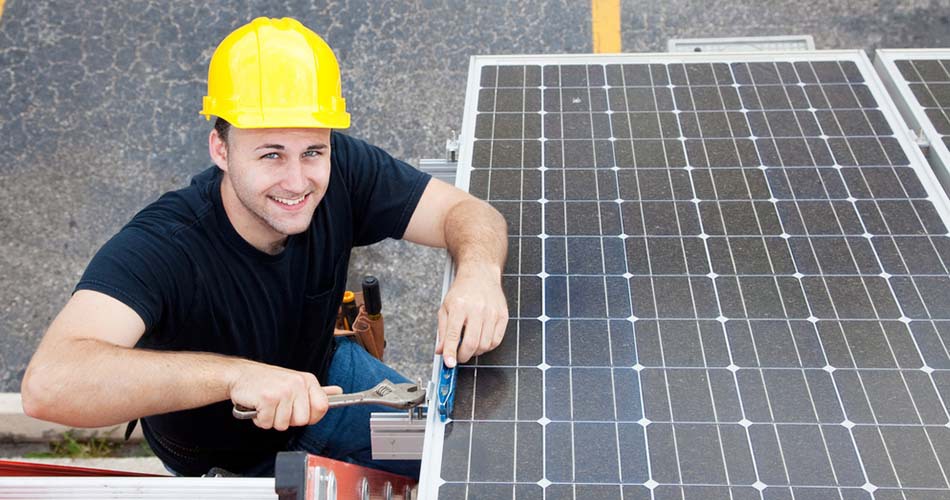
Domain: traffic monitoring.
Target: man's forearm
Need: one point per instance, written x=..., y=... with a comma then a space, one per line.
x=477, y=237
x=91, y=383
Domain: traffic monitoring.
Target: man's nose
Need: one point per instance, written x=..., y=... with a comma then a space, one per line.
x=295, y=177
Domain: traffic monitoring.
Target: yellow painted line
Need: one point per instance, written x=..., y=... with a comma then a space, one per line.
x=1, y=8
x=605, y=25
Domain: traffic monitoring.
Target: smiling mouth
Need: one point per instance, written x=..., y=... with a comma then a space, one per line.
x=290, y=202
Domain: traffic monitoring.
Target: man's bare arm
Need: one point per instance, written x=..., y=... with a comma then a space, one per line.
x=85, y=373
x=476, y=236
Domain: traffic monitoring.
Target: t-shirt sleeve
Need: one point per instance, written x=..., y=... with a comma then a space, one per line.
x=143, y=269
x=384, y=191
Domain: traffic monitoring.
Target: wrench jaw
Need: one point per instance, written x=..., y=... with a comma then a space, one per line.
x=413, y=396
x=399, y=396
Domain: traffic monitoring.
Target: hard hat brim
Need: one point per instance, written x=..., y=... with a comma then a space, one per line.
x=283, y=120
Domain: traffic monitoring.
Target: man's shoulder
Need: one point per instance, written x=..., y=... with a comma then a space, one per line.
x=338, y=139
x=151, y=262
x=348, y=149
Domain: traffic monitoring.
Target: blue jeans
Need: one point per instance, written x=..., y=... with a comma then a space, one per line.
x=343, y=433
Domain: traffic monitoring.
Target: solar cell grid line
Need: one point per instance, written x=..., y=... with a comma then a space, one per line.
x=918, y=291
x=655, y=305
x=768, y=401
x=905, y=387
x=768, y=398
x=824, y=441
x=902, y=258
x=742, y=410
x=865, y=390
x=613, y=385
x=702, y=348
x=729, y=282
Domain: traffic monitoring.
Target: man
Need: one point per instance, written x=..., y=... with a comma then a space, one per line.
x=225, y=292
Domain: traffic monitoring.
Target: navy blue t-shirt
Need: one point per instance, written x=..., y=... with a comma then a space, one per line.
x=199, y=286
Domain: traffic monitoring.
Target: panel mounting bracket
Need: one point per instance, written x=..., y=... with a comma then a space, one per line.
x=741, y=43
x=399, y=435
x=444, y=168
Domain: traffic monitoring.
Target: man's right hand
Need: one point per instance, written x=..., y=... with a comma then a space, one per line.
x=282, y=397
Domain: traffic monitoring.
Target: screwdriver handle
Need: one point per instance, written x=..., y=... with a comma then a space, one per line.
x=371, y=297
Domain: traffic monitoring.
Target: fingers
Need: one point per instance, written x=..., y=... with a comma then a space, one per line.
x=487, y=335
x=443, y=320
x=318, y=403
x=472, y=339
x=493, y=330
x=282, y=415
x=282, y=398
x=302, y=414
x=265, y=415
x=483, y=317
x=290, y=402
x=453, y=333
x=499, y=331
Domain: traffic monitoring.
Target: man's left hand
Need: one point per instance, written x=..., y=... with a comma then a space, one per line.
x=476, y=302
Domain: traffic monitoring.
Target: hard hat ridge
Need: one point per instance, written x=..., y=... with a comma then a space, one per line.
x=275, y=73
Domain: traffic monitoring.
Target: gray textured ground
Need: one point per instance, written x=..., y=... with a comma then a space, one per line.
x=99, y=101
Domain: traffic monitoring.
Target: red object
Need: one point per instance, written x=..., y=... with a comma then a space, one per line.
x=11, y=468
x=298, y=478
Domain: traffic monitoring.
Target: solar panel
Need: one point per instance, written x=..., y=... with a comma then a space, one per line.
x=919, y=81
x=727, y=278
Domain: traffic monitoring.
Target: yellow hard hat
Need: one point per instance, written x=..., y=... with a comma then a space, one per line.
x=275, y=73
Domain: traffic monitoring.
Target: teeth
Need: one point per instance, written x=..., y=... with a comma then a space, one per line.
x=289, y=202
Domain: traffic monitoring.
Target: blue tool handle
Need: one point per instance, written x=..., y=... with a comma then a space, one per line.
x=446, y=392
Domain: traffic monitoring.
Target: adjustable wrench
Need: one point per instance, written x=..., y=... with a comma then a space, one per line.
x=400, y=396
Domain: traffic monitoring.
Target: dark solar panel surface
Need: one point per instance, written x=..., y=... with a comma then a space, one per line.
x=725, y=281
x=929, y=80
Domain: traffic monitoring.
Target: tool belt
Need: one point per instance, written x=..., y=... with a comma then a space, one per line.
x=367, y=330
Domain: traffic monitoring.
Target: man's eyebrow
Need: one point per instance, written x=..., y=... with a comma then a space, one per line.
x=311, y=147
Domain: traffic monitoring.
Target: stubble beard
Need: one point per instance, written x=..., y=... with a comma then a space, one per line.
x=257, y=206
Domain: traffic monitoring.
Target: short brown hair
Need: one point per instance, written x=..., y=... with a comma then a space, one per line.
x=223, y=127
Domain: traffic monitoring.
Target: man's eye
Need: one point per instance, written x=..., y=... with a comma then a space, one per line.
x=270, y=156
x=312, y=153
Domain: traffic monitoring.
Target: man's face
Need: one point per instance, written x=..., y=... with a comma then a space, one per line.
x=278, y=176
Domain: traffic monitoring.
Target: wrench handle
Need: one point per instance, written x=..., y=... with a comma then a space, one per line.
x=338, y=400
x=244, y=413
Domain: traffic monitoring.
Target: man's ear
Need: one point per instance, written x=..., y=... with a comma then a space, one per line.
x=218, y=150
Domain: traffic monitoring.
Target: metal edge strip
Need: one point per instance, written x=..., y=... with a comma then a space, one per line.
x=669, y=57
x=136, y=487
x=910, y=108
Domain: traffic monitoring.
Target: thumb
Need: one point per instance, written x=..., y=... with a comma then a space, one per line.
x=332, y=390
